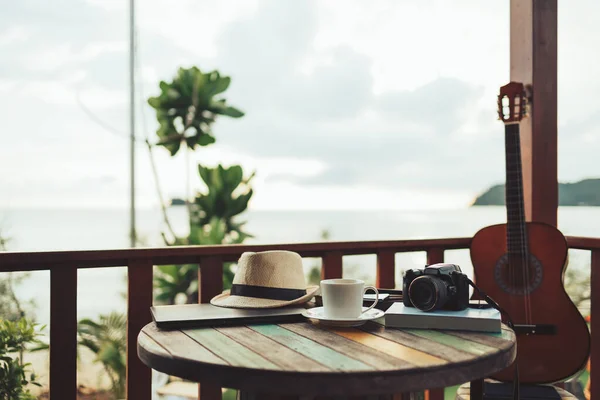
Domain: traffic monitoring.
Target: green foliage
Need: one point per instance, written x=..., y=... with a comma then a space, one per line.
x=14, y=374
x=188, y=106
x=577, y=284
x=314, y=274
x=212, y=221
x=227, y=196
x=186, y=109
x=107, y=339
x=11, y=308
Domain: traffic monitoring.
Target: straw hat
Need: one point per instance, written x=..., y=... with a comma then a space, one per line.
x=267, y=279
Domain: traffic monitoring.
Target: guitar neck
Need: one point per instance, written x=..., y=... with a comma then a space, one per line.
x=515, y=209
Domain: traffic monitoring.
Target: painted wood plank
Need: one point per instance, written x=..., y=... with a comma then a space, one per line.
x=411, y=355
x=182, y=346
x=151, y=346
x=453, y=341
x=277, y=353
x=228, y=349
x=499, y=340
x=417, y=342
x=348, y=347
x=311, y=349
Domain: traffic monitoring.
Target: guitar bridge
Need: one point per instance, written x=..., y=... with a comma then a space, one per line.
x=536, y=329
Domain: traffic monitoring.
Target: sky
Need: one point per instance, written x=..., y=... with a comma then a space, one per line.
x=348, y=104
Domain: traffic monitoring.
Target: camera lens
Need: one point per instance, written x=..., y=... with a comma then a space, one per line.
x=427, y=293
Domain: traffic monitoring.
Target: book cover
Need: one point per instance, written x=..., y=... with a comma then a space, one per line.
x=471, y=319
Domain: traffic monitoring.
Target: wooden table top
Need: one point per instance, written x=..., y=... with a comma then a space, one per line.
x=304, y=358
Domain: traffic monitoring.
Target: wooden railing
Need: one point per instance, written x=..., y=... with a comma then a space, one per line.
x=63, y=268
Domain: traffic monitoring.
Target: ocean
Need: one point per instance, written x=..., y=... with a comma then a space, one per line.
x=100, y=290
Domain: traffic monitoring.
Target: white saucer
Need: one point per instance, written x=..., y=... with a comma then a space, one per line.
x=317, y=314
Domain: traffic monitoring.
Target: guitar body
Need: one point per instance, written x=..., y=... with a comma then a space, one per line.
x=536, y=296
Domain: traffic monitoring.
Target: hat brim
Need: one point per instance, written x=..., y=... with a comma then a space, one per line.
x=226, y=300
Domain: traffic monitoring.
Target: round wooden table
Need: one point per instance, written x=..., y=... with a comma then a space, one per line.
x=306, y=359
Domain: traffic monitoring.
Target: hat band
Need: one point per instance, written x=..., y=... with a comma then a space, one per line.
x=263, y=292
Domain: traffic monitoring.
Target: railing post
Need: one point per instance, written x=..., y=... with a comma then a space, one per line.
x=332, y=265
x=210, y=278
x=595, y=326
x=139, y=301
x=63, y=332
x=210, y=284
x=386, y=262
x=434, y=256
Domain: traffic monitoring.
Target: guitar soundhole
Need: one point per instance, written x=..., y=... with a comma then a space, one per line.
x=518, y=279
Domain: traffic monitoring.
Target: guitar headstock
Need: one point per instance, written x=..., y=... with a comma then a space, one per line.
x=512, y=102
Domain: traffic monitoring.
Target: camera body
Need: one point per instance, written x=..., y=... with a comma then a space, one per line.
x=436, y=287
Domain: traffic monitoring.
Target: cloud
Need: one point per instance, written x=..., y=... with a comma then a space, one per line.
x=402, y=136
x=441, y=104
x=340, y=97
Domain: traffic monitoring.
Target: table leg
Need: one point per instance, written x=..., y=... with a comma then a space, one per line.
x=477, y=389
x=209, y=391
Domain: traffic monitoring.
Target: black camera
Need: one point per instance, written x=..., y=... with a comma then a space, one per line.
x=436, y=287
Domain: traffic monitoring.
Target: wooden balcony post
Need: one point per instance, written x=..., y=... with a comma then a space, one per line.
x=435, y=256
x=139, y=301
x=63, y=332
x=533, y=60
x=210, y=284
x=386, y=263
x=595, y=326
x=210, y=278
x=332, y=265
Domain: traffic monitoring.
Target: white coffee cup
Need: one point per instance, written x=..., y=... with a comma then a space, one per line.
x=343, y=298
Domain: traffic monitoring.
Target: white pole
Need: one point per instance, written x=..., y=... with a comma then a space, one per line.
x=132, y=233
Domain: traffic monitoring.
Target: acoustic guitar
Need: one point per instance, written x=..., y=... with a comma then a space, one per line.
x=521, y=266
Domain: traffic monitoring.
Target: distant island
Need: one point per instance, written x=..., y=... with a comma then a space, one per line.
x=176, y=201
x=582, y=193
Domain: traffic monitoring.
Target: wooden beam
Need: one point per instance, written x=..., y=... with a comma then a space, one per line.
x=386, y=263
x=594, y=384
x=63, y=333
x=139, y=301
x=533, y=61
x=210, y=284
x=332, y=267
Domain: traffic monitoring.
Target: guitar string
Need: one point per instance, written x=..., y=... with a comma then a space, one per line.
x=517, y=185
x=519, y=219
x=510, y=243
x=524, y=236
x=523, y=232
x=510, y=227
x=521, y=215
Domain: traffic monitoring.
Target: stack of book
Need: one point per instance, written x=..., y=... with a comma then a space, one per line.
x=470, y=319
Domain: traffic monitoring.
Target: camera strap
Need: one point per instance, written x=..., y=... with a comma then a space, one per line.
x=509, y=322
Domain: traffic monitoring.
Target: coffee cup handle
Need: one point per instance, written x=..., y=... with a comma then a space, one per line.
x=376, y=297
